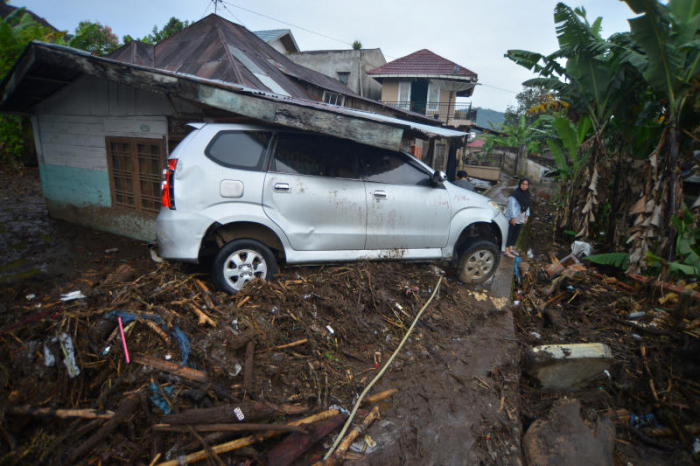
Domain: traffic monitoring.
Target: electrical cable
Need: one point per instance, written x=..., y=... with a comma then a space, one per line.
x=288, y=24
x=364, y=392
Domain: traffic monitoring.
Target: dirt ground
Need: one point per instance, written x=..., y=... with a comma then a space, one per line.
x=456, y=375
x=312, y=340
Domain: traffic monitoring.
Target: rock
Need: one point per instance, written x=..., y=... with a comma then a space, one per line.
x=563, y=438
x=568, y=366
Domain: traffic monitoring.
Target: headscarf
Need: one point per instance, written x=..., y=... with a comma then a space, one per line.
x=522, y=195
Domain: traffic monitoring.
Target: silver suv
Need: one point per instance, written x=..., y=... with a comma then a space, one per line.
x=253, y=197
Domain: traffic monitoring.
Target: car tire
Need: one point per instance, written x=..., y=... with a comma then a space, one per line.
x=478, y=262
x=241, y=261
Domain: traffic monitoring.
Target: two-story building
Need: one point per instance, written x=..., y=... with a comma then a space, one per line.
x=428, y=84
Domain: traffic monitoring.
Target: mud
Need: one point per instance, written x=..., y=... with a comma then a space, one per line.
x=457, y=374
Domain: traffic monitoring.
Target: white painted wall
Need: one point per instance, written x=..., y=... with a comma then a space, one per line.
x=73, y=124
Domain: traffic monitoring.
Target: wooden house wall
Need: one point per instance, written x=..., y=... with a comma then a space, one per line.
x=70, y=130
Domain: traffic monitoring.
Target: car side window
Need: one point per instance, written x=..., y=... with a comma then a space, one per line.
x=384, y=166
x=308, y=154
x=239, y=149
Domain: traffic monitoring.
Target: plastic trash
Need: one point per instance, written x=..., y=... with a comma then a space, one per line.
x=77, y=294
x=49, y=359
x=530, y=254
x=111, y=250
x=330, y=329
x=30, y=296
x=642, y=421
x=182, y=340
x=157, y=398
x=636, y=315
x=69, y=355
x=581, y=248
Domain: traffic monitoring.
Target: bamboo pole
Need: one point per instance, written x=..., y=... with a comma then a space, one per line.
x=249, y=440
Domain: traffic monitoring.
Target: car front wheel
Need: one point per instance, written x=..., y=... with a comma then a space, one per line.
x=241, y=261
x=478, y=262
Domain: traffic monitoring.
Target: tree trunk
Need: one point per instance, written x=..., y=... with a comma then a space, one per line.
x=675, y=191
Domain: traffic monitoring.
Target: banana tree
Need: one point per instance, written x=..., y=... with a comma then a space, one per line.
x=667, y=53
x=589, y=73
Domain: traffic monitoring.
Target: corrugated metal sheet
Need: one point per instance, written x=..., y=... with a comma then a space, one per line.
x=44, y=69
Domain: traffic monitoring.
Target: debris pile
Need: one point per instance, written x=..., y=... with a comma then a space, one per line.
x=158, y=368
x=641, y=338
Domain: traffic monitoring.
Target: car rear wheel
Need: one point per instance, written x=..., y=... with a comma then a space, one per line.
x=478, y=262
x=241, y=261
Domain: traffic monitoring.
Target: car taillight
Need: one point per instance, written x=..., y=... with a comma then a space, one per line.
x=166, y=186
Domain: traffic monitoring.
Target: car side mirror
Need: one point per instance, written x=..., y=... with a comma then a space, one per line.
x=439, y=177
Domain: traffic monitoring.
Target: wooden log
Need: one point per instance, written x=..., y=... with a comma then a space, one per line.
x=250, y=410
x=248, y=367
x=173, y=368
x=288, y=345
x=159, y=331
x=203, y=319
x=251, y=439
x=228, y=428
x=337, y=457
x=377, y=397
x=126, y=407
x=62, y=413
x=692, y=429
x=295, y=445
x=555, y=317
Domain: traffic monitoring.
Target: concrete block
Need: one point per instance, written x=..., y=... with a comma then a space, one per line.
x=568, y=366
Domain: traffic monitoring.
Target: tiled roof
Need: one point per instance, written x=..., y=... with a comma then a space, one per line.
x=423, y=62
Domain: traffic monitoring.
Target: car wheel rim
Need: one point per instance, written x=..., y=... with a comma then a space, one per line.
x=479, y=264
x=243, y=266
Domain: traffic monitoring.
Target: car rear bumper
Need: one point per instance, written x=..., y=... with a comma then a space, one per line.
x=179, y=234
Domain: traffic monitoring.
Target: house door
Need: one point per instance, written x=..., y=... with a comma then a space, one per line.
x=419, y=96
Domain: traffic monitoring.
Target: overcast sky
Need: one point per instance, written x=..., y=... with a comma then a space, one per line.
x=472, y=33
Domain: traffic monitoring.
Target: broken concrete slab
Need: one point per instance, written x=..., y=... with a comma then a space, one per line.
x=564, y=438
x=568, y=366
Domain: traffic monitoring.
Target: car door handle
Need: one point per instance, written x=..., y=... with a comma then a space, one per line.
x=282, y=187
x=379, y=193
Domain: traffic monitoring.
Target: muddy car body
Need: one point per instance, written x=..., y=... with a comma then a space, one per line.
x=252, y=197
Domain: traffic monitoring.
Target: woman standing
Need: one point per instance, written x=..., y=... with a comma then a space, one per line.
x=517, y=213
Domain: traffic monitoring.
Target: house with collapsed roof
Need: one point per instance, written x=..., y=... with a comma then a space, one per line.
x=104, y=126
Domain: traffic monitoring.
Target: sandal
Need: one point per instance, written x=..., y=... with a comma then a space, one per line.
x=507, y=254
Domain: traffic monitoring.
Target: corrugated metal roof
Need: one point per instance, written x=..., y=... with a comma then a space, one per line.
x=423, y=62
x=215, y=48
x=271, y=34
x=43, y=69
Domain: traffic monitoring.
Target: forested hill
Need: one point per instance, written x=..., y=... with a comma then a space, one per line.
x=485, y=117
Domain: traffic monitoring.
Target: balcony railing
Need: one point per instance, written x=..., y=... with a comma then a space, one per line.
x=442, y=111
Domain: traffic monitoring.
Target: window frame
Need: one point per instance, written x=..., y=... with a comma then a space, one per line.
x=404, y=104
x=328, y=95
x=433, y=106
x=135, y=174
